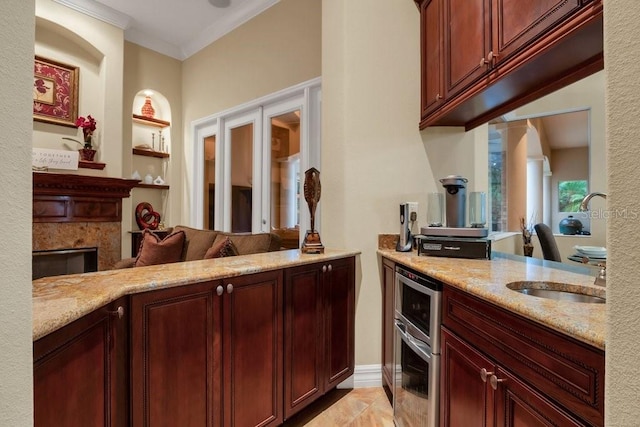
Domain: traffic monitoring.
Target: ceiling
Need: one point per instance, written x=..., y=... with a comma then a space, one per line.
x=176, y=28
x=567, y=130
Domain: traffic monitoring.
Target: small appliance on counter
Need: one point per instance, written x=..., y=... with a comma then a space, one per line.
x=405, y=242
x=456, y=239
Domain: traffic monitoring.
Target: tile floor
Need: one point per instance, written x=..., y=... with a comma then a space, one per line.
x=360, y=407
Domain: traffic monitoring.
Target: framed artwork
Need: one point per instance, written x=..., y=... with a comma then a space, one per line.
x=55, y=92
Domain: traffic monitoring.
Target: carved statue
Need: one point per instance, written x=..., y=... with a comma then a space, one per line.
x=312, y=243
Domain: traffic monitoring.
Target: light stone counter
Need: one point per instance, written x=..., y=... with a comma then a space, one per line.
x=59, y=300
x=486, y=279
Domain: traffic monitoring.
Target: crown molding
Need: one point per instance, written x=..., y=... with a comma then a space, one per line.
x=98, y=11
x=236, y=17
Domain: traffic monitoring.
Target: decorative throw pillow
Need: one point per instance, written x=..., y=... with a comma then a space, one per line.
x=155, y=251
x=221, y=249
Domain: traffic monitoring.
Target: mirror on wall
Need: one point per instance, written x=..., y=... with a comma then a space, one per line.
x=546, y=156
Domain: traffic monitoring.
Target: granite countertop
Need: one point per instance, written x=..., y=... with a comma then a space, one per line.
x=59, y=300
x=486, y=279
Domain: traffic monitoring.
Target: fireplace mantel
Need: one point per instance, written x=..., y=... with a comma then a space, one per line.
x=81, y=185
x=79, y=211
x=78, y=198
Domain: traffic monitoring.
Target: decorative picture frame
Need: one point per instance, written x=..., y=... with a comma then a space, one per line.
x=55, y=92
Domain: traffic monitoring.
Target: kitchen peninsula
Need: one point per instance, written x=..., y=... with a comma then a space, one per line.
x=504, y=354
x=187, y=343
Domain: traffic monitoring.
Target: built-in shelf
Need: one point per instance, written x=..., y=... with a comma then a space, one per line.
x=149, y=121
x=154, y=186
x=86, y=164
x=150, y=153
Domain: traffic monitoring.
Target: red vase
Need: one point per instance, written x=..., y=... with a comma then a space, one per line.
x=87, y=154
x=147, y=108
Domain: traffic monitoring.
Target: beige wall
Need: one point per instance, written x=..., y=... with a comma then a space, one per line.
x=16, y=68
x=145, y=69
x=275, y=50
x=622, y=49
x=96, y=47
x=373, y=156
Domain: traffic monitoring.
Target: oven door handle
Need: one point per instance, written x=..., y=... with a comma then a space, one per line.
x=418, y=346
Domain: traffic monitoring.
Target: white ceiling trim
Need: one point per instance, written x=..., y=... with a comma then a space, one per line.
x=233, y=20
x=243, y=13
x=98, y=11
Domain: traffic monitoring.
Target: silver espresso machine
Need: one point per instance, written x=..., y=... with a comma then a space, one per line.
x=455, y=238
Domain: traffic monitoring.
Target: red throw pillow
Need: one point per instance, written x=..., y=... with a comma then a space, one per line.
x=221, y=249
x=155, y=251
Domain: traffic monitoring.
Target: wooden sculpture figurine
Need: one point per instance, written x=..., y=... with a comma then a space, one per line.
x=312, y=243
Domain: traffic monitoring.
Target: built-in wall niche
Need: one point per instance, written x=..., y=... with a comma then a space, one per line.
x=151, y=152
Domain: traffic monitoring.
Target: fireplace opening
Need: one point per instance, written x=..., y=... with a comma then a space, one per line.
x=64, y=261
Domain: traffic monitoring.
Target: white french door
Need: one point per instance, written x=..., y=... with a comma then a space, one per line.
x=253, y=181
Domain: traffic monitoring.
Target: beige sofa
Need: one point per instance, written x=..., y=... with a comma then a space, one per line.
x=197, y=242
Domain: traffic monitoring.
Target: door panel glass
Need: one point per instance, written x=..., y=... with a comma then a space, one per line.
x=209, y=180
x=285, y=178
x=241, y=144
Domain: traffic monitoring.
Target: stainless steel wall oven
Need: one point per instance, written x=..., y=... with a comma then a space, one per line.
x=416, y=349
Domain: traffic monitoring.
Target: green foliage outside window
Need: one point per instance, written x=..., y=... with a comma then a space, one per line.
x=570, y=194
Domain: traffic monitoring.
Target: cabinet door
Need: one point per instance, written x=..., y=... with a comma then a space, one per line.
x=520, y=406
x=431, y=55
x=339, y=301
x=467, y=41
x=388, y=310
x=80, y=372
x=303, y=337
x=173, y=357
x=252, y=350
x=466, y=399
x=516, y=23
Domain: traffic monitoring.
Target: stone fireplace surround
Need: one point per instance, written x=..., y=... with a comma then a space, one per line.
x=78, y=211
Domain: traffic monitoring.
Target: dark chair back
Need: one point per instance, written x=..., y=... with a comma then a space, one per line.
x=547, y=243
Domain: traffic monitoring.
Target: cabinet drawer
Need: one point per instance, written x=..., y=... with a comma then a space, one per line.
x=560, y=367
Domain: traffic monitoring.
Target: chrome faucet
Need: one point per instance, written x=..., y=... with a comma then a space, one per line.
x=584, y=205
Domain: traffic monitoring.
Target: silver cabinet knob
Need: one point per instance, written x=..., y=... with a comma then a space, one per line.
x=438, y=97
x=330, y=268
x=229, y=288
x=494, y=382
x=118, y=312
x=324, y=268
x=484, y=374
x=219, y=290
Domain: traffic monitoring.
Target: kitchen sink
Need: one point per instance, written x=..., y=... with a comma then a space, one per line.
x=559, y=291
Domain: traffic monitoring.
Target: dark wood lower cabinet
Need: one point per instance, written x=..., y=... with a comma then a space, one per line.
x=80, y=371
x=204, y=354
x=319, y=330
x=208, y=354
x=174, y=358
x=500, y=369
x=388, y=311
x=252, y=350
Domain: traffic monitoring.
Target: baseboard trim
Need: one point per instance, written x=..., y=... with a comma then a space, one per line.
x=364, y=376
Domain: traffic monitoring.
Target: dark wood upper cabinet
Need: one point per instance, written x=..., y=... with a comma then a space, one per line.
x=483, y=58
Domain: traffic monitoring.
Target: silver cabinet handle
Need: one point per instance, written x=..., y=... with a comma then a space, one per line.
x=438, y=97
x=330, y=268
x=324, y=268
x=118, y=312
x=494, y=382
x=219, y=290
x=229, y=288
x=484, y=374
